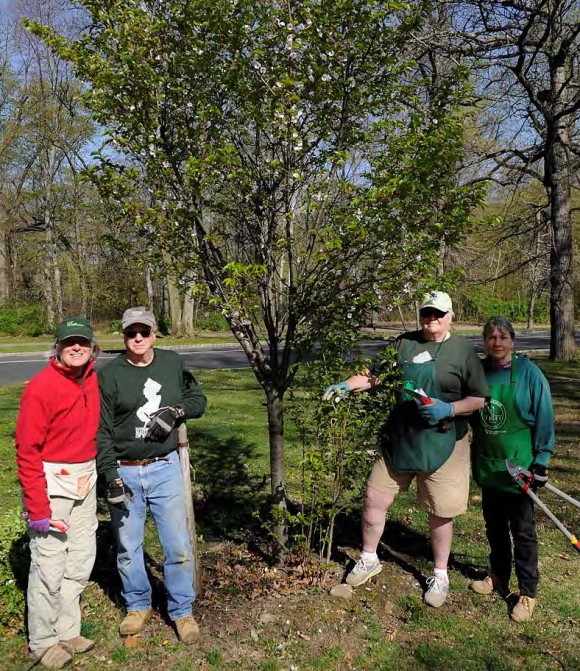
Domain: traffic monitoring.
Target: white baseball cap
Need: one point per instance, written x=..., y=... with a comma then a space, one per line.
x=438, y=300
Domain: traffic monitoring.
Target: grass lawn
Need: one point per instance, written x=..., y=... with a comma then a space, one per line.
x=254, y=616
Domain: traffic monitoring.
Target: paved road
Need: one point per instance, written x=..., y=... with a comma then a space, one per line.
x=21, y=367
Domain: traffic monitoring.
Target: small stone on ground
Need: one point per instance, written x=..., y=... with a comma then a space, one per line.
x=342, y=591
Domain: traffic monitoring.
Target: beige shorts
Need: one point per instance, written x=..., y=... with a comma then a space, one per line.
x=443, y=493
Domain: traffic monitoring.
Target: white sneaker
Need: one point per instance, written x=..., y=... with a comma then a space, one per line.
x=362, y=571
x=437, y=591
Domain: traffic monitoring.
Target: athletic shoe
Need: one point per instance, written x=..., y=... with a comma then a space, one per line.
x=437, y=591
x=363, y=571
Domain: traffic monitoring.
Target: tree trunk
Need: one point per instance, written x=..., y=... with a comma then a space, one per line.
x=183, y=447
x=275, y=407
x=187, y=315
x=49, y=261
x=558, y=182
x=57, y=286
x=82, y=276
x=149, y=283
x=440, y=269
x=4, y=275
x=48, y=295
x=174, y=307
x=531, y=306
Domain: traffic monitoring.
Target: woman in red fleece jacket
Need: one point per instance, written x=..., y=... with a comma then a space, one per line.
x=55, y=452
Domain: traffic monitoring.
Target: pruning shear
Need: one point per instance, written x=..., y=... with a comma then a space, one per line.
x=421, y=397
x=417, y=394
x=524, y=479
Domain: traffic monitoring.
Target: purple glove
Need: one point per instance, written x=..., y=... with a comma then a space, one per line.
x=42, y=526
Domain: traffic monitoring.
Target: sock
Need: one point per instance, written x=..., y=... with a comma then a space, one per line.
x=441, y=573
x=369, y=556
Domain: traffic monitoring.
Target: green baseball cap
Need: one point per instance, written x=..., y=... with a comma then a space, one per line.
x=74, y=326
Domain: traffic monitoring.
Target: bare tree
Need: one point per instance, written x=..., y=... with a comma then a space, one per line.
x=527, y=56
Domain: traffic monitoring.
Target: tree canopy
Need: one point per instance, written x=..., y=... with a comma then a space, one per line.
x=292, y=155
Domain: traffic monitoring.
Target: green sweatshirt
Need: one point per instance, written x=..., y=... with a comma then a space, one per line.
x=534, y=402
x=129, y=394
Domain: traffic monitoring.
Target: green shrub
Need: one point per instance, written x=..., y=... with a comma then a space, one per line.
x=13, y=569
x=480, y=304
x=22, y=320
x=212, y=321
x=339, y=439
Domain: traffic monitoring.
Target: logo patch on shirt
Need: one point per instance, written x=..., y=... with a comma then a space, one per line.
x=493, y=416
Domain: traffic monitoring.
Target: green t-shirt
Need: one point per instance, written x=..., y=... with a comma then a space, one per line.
x=128, y=394
x=459, y=369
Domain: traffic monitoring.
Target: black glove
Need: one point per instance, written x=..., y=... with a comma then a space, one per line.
x=118, y=493
x=539, y=476
x=163, y=421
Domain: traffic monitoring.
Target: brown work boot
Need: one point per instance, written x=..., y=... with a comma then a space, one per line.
x=78, y=644
x=54, y=657
x=522, y=611
x=187, y=629
x=488, y=585
x=134, y=622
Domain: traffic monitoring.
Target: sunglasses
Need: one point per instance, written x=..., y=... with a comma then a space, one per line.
x=432, y=312
x=133, y=333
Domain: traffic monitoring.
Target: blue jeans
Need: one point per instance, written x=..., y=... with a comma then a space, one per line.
x=160, y=485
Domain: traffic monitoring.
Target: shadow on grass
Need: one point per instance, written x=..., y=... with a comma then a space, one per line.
x=402, y=545
x=564, y=387
x=13, y=604
x=229, y=500
x=106, y=575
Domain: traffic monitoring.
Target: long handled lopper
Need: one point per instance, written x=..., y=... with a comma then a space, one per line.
x=524, y=479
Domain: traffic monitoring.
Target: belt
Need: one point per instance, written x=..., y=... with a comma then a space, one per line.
x=140, y=462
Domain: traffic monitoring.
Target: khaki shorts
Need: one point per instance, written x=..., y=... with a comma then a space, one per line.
x=443, y=493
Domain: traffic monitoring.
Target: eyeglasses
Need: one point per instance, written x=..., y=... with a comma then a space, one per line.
x=75, y=340
x=432, y=312
x=133, y=333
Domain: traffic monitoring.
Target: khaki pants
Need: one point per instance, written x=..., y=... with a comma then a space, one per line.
x=60, y=566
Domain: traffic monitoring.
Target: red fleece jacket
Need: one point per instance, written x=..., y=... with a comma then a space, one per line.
x=58, y=421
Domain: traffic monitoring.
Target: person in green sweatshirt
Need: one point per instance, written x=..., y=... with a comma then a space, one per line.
x=145, y=395
x=516, y=423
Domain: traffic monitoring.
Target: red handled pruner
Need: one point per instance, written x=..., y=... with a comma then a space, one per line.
x=418, y=396
x=524, y=479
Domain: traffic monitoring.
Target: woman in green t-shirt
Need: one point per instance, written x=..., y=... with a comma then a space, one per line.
x=425, y=442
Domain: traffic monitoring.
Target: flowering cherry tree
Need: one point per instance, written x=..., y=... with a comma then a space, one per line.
x=298, y=166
